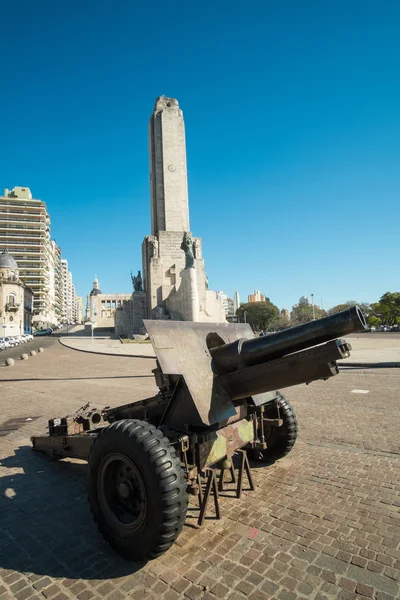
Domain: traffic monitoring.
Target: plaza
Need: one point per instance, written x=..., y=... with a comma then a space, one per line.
x=322, y=522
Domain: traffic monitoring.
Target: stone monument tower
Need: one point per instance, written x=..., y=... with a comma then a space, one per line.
x=168, y=176
x=175, y=282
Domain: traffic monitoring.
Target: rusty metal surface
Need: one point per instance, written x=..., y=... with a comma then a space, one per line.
x=74, y=446
x=224, y=442
x=181, y=349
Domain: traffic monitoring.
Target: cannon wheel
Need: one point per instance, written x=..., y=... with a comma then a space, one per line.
x=280, y=440
x=136, y=489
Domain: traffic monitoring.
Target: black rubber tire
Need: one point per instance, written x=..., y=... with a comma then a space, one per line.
x=280, y=440
x=163, y=480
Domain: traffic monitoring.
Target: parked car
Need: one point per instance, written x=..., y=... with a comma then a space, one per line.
x=11, y=341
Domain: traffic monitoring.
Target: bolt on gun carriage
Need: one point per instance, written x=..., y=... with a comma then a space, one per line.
x=217, y=397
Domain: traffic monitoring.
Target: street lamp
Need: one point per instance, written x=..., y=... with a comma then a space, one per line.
x=245, y=314
x=313, y=307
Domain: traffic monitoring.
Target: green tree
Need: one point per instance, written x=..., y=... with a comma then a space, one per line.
x=303, y=313
x=340, y=307
x=374, y=321
x=364, y=306
x=388, y=308
x=261, y=316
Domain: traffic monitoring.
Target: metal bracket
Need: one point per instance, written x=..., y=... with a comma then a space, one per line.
x=273, y=422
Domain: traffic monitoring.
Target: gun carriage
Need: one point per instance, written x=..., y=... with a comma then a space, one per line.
x=217, y=397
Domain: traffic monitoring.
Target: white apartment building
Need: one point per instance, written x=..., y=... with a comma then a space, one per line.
x=25, y=232
x=224, y=301
x=69, y=309
x=79, y=309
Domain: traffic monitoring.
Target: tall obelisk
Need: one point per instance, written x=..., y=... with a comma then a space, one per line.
x=168, y=176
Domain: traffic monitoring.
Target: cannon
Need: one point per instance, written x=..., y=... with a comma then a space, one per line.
x=218, y=406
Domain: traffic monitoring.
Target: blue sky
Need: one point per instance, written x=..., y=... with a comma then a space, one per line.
x=292, y=123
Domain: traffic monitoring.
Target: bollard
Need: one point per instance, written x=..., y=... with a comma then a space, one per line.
x=9, y=362
x=32, y=352
x=24, y=356
x=40, y=349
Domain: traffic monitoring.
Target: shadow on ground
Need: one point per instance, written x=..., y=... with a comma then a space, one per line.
x=44, y=514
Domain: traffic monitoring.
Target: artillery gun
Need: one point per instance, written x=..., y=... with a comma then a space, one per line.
x=217, y=398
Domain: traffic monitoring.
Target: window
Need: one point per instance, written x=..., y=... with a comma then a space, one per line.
x=11, y=300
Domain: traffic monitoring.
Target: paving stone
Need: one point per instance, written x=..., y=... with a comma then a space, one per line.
x=365, y=590
x=324, y=519
x=375, y=580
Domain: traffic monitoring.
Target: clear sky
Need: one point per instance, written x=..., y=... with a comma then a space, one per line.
x=292, y=113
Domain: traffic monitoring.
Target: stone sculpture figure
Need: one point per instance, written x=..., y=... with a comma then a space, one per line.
x=154, y=247
x=187, y=247
x=137, y=282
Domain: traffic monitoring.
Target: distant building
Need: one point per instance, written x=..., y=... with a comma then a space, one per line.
x=304, y=300
x=69, y=310
x=15, y=299
x=227, y=303
x=236, y=302
x=256, y=297
x=285, y=314
x=101, y=308
x=231, y=308
x=79, y=309
x=25, y=232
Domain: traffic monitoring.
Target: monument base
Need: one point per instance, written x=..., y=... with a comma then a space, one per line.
x=138, y=311
x=185, y=301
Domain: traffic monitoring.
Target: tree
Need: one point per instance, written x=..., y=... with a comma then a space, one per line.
x=388, y=308
x=340, y=307
x=364, y=306
x=302, y=313
x=262, y=316
x=374, y=321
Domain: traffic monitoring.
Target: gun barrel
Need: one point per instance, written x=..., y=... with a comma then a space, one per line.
x=243, y=352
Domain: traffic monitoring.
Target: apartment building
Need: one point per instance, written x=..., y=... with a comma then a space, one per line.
x=25, y=233
x=256, y=297
x=69, y=309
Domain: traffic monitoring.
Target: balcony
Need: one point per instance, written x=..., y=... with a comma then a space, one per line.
x=12, y=306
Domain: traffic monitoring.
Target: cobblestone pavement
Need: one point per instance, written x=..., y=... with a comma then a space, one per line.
x=322, y=523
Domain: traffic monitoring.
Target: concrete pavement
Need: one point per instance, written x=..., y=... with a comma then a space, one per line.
x=369, y=349
x=102, y=343
x=323, y=523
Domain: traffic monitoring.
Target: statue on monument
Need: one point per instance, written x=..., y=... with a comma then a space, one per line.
x=137, y=282
x=187, y=247
x=154, y=247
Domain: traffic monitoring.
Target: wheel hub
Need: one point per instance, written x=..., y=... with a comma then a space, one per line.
x=125, y=490
x=122, y=492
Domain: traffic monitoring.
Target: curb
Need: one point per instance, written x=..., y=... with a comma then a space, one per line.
x=106, y=353
x=382, y=365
